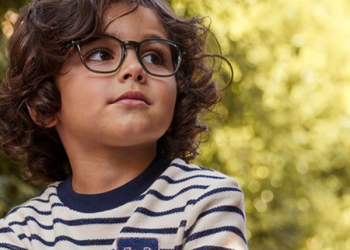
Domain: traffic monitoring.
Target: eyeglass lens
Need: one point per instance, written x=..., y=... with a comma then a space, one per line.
x=105, y=54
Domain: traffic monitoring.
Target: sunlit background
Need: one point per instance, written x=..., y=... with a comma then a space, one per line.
x=284, y=127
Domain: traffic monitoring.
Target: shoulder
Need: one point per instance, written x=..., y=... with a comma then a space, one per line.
x=40, y=205
x=180, y=171
x=25, y=218
x=192, y=184
x=214, y=209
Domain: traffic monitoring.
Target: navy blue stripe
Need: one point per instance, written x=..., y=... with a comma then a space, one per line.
x=171, y=181
x=57, y=205
x=104, y=221
x=11, y=247
x=171, y=230
x=173, y=248
x=212, y=248
x=72, y=222
x=212, y=231
x=179, y=247
x=29, y=207
x=49, y=187
x=54, y=191
x=45, y=200
x=216, y=209
x=100, y=242
x=218, y=190
x=191, y=202
x=35, y=209
x=150, y=213
x=167, y=198
x=5, y=230
x=232, y=209
x=190, y=169
x=183, y=223
x=208, y=194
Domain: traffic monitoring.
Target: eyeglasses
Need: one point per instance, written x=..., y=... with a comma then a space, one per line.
x=104, y=54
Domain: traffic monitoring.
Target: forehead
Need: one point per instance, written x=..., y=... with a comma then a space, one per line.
x=128, y=19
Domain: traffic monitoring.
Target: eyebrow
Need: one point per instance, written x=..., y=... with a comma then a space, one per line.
x=143, y=37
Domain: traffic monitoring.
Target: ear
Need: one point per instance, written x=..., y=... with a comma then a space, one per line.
x=48, y=123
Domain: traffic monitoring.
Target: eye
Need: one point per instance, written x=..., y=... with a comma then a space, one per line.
x=99, y=55
x=154, y=57
x=127, y=248
x=147, y=248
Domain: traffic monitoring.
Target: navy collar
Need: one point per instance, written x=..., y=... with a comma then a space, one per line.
x=87, y=203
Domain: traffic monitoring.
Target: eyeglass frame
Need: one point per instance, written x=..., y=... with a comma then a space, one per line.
x=124, y=44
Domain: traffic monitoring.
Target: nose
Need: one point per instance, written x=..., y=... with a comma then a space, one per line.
x=131, y=69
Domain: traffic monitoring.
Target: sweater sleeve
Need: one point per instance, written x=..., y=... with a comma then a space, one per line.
x=8, y=238
x=217, y=220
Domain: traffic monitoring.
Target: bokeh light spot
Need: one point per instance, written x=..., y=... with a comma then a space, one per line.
x=314, y=243
x=262, y=172
x=267, y=195
x=7, y=25
x=303, y=205
x=254, y=186
x=302, y=167
x=260, y=205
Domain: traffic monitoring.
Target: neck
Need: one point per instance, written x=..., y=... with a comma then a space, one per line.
x=99, y=172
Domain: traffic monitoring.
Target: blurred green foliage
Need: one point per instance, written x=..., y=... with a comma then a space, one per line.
x=284, y=125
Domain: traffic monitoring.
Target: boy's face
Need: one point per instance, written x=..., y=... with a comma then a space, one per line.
x=127, y=108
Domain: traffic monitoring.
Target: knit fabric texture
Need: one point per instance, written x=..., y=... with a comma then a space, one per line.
x=171, y=205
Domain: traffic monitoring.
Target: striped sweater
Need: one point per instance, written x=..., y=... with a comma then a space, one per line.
x=171, y=205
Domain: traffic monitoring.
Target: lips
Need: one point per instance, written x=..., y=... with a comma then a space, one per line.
x=132, y=96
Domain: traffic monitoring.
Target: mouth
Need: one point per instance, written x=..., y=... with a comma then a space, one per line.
x=132, y=97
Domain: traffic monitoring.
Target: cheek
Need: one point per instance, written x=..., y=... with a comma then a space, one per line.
x=169, y=96
x=169, y=101
x=77, y=85
x=79, y=97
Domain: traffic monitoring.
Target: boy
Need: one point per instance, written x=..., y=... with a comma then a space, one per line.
x=106, y=96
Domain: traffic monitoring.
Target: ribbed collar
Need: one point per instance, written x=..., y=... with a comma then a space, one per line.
x=87, y=203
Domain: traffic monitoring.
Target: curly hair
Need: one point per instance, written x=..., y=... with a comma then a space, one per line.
x=37, y=51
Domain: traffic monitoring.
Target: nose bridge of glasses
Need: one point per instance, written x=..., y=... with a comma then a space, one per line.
x=134, y=44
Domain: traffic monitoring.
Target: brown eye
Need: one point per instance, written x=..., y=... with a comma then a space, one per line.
x=154, y=59
x=100, y=55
